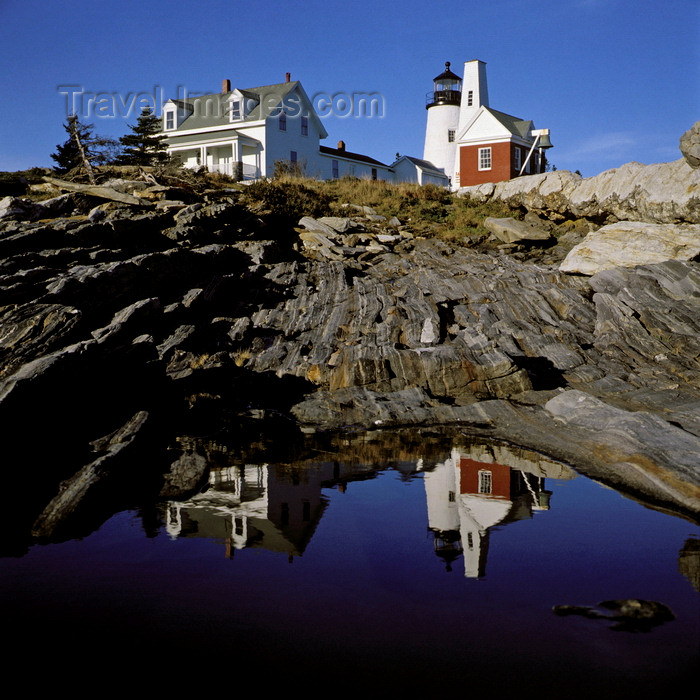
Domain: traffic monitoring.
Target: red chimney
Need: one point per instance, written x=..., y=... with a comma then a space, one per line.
x=287, y=77
x=225, y=85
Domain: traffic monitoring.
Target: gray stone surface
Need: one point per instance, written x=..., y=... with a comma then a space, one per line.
x=513, y=231
x=631, y=243
x=660, y=193
x=194, y=317
x=690, y=145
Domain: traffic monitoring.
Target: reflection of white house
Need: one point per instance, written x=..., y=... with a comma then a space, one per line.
x=243, y=133
x=274, y=507
x=251, y=506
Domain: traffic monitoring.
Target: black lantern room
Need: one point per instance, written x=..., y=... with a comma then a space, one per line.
x=447, y=89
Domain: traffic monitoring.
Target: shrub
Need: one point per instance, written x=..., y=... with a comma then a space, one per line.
x=286, y=200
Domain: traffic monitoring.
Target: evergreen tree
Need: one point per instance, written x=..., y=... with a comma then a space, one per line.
x=144, y=146
x=97, y=150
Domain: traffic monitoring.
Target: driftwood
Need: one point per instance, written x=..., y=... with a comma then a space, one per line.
x=96, y=191
x=75, y=491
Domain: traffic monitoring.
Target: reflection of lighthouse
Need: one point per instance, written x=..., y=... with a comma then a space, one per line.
x=471, y=492
x=443, y=514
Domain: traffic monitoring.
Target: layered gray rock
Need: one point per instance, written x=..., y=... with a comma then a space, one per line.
x=630, y=243
x=514, y=231
x=660, y=193
x=201, y=313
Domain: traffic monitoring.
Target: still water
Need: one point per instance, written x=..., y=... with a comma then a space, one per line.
x=410, y=575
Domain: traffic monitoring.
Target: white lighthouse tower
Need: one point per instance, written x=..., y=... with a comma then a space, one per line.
x=443, y=105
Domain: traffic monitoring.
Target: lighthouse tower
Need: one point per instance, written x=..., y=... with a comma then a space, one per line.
x=443, y=105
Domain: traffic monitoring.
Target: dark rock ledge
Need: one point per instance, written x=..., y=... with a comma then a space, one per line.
x=132, y=333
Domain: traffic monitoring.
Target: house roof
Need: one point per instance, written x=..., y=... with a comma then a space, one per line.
x=350, y=156
x=425, y=165
x=211, y=110
x=517, y=127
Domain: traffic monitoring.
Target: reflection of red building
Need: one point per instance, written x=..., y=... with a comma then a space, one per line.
x=485, y=479
x=467, y=497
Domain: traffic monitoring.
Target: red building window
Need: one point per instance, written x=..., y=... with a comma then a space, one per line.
x=485, y=158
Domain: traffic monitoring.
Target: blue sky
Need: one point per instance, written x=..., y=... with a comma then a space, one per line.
x=614, y=80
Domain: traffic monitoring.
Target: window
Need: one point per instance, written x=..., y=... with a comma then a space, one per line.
x=283, y=122
x=170, y=120
x=304, y=126
x=374, y=173
x=516, y=159
x=470, y=98
x=451, y=496
x=334, y=166
x=485, y=158
x=235, y=110
x=450, y=135
x=292, y=156
x=484, y=481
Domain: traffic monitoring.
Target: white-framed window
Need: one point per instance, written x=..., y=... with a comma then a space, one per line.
x=517, y=158
x=304, y=126
x=334, y=168
x=485, y=158
x=450, y=135
x=169, y=120
x=283, y=121
x=235, y=110
x=485, y=481
x=470, y=98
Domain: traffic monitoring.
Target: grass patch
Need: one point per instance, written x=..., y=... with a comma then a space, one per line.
x=429, y=210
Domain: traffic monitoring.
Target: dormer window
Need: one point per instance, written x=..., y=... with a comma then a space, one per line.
x=169, y=120
x=236, y=111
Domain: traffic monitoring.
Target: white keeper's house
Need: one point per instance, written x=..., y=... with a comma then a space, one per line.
x=243, y=133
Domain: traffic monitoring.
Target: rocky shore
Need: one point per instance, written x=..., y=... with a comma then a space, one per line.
x=139, y=321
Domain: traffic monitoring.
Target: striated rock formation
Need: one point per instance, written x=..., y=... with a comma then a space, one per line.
x=630, y=243
x=665, y=193
x=127, y=334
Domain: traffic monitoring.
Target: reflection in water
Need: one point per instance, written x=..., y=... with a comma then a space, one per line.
x=369, y=602
x=277, y=507
x=479, y=487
